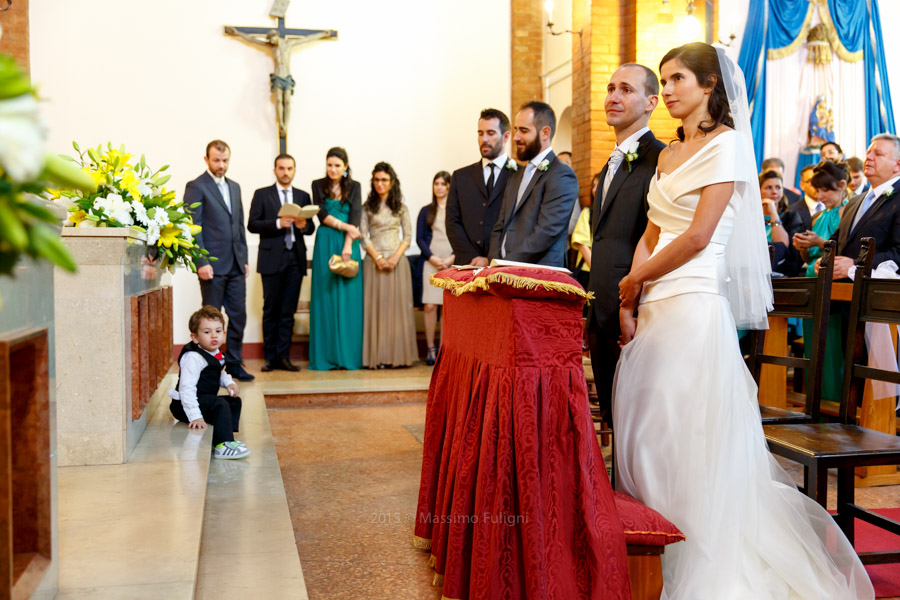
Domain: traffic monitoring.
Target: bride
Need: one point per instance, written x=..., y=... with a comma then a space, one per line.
x=689, y=442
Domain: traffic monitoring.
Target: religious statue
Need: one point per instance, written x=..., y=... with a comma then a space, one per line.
x=821, y=124
x=282, y=83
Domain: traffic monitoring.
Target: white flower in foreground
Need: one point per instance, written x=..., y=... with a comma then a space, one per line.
x=145, y=188
x=152, y=233
x=21, y=138
x=160, y=216
x=186, y=231
x=115, y=208
x=140, y=212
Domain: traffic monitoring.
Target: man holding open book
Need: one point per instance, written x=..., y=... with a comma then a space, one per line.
x=281, y=215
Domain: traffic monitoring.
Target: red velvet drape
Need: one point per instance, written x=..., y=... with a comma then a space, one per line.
x=514, y=495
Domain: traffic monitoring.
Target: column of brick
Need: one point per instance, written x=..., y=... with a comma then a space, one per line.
x=527, y=52
x=15, y=33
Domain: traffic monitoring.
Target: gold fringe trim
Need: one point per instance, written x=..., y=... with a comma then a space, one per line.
x=836, y=45
x=438, y=580
x=421, y=543
x=432, y=561
x=779, y=53
x=664, y=533
x=517, y=281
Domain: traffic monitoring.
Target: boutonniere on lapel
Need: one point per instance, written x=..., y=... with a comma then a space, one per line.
x=543, y=165
x=511, y=165
x=631, y=154
x=889, y=192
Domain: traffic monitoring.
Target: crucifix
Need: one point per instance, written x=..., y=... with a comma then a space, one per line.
x=281, y=41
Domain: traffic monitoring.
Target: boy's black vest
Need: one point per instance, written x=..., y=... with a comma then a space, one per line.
x=208, y=384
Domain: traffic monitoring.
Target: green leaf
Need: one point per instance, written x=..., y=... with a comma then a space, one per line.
x=195, y=205
x=158, y=181
x=76, y=146
x=68, y=158
x=11, y=229
x=38, y=212
x=94, y=155
x=47, y=244
x=163, y=168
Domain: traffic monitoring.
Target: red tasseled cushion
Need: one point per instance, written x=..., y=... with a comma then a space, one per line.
x=644, y=526
x=512, y=282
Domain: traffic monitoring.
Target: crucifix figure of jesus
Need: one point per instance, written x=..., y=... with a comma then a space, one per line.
x=281, y=41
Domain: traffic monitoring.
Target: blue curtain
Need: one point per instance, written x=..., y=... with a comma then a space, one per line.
x=879, y=111
x=776, y=23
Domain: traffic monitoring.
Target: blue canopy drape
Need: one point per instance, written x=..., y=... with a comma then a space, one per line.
x=777, y=23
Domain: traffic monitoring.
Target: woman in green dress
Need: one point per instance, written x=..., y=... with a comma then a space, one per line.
x=336, y=307
x=831, y=182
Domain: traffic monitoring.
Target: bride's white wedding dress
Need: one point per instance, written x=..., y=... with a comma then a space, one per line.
x=689, y=442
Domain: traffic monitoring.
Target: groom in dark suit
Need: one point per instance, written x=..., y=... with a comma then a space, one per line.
x=476, y=192
x=619, y=212
x=875, y=214
x=281, y=261
x=221, y=215
x=538, y=200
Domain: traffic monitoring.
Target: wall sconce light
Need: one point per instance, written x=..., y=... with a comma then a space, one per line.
x=548, y=6
x=689, y=28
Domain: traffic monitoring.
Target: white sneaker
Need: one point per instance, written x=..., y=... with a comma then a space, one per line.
x=230, y=451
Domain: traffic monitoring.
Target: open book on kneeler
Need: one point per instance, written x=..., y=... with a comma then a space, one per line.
x=298, y=212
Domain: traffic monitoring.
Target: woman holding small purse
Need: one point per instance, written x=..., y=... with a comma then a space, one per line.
x=336, y=307
x=437, y=255
x=389, y=332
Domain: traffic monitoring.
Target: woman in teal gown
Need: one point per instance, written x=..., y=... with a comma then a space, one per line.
x=336, y=307
x=831, y=182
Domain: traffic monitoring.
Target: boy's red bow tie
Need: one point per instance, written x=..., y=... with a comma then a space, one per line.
x=219, y=355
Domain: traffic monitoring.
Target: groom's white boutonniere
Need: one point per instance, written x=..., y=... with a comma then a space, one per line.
x=889, y=192
x=511, y=165
x=631, y=154
x=544, y=165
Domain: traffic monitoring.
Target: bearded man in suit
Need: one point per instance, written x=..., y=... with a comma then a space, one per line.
x=476, y=192
x=619, y=212
x=539, y=197
x=221, y=217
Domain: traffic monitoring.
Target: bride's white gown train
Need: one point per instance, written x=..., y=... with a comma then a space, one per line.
x=689, y=442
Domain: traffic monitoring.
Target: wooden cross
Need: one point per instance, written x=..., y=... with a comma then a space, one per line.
x=281, y=40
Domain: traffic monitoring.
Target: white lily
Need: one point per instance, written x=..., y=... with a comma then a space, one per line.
x=21, y=138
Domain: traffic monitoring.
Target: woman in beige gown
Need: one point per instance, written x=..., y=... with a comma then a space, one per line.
x=389, y=331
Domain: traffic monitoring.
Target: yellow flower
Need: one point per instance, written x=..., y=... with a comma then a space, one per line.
x=78, y=216
x=130, y=184
x=123, y=160
x=195, y=229
x=168, y=236
x=98, y=176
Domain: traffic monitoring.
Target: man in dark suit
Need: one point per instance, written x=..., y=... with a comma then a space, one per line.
x=875, y=214
x=476, y=192
x=808, y=206
x=538, y=200
x=281, y=261
x=619, y=212
x=221, y=216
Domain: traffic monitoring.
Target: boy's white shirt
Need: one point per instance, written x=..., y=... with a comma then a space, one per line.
x=191, y=364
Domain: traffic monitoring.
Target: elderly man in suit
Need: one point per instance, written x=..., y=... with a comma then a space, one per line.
x=875, y=214
x=619, y=212
x=221, y=217
x=476, y=192
x=281, y=260
x=538, y=200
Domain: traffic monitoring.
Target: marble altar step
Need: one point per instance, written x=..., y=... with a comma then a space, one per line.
x=172, y=523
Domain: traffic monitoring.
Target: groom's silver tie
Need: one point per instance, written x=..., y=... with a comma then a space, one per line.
x=615, y=159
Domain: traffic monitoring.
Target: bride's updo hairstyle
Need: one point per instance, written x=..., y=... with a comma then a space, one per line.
x=701, y=59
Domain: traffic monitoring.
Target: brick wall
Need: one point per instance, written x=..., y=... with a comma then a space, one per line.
x=527, y=52
x=15, y=32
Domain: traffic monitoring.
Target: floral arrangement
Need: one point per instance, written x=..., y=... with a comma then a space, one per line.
x=28, y=224
x=131, y=194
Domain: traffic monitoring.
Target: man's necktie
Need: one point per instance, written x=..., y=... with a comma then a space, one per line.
x=615, y=159
x=490, y=181
x=224, y=191
x=866, y=204
x=288, y=235
x=523, y=185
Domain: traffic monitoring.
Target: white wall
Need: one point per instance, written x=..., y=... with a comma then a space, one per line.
x=557, y=71
x=404, y=83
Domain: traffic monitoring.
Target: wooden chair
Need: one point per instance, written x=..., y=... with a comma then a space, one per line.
x=844, y=445
x=803, y=298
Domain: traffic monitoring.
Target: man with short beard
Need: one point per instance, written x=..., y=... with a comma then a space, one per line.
x=476, y=192
x=537, y=203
